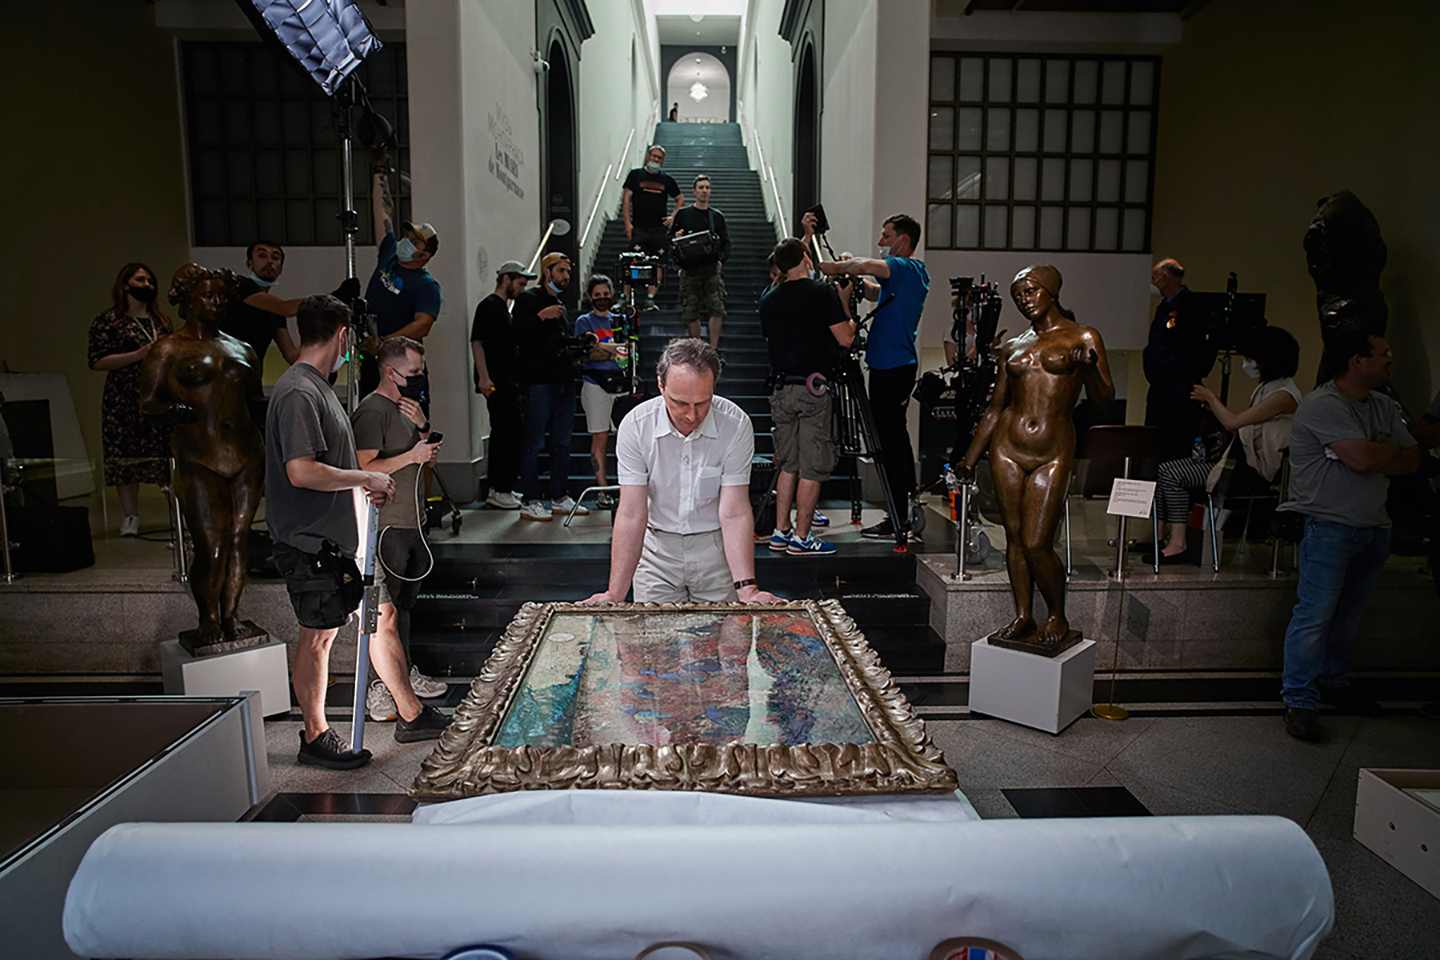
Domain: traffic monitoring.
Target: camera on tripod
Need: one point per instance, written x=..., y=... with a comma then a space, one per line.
x=639, y=269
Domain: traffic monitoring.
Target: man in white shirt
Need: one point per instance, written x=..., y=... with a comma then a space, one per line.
x=684, y=530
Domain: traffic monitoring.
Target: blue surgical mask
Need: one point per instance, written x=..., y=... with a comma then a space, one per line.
x=261, y=281
x=652, y=167
x=405, y=249
x=884, y=251
x=550, y=285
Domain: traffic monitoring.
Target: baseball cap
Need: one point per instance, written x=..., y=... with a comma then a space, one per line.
x=515, y=268
x=423, y=233
x=550, y=259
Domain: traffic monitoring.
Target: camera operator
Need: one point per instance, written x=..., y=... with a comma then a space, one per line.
x=1179, y=355
x=310, y=473
x=392, y=436
x=600, y=375
x=644, y=202
x=256, y=315
x=803, y=321
x=548, y=375
x=492, y=344
x=702, y=283
x=903, y=283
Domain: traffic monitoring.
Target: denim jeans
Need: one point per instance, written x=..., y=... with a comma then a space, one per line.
x=549, y=409
x=1339, y=565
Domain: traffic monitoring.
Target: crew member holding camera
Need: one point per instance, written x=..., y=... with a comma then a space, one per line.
x=548, y=374
x=903, y=283
x=644, y=205
x=310, y=471
x=393, y=436
x=803, y=321
x=1178, y=355
x=256, y=315
x=602, y=380
x=702, y=281
x=492, y=345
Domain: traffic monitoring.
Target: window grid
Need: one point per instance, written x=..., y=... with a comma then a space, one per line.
x=263, y=152
x=1113, y=101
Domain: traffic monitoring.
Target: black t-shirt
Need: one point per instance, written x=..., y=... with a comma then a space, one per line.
x=651, y=196
x=796, y=318
x=255, y=326
x=694, y=220
x=492, y=330
x=538, y=342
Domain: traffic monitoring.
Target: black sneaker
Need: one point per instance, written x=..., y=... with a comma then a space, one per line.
x=328, y=750
x=427, y=726
x=1302, y=724
x=883, y=530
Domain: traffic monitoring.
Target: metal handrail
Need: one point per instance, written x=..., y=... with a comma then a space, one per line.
x=624, y=152
x=595, y=207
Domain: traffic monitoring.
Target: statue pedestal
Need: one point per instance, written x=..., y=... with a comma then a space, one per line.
x=1046, y=693
x=261, y=666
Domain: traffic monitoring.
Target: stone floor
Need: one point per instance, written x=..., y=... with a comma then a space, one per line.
x=1184, y=765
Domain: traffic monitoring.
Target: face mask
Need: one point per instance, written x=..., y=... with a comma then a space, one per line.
x=405, y=249
x=143, y=294
x=1154, y=290
x=1251, y=368
x=414, y=387
x=884, y=250
x=652, y=167
x=553, y=288
x=261, y=281
x=339, y=361
x=602, y=305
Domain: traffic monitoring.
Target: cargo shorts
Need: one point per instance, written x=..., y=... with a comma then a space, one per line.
x=702, y=295
x=317, y=596
x=804, y=432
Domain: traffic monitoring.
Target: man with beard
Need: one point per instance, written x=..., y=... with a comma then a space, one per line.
x=492, y=346
x=256, y=315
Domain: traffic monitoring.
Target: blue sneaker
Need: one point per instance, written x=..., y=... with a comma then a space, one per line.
x=819, y=520
x=780, y=541
x=811, y=546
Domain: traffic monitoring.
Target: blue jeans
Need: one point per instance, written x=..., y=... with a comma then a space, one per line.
x=1339, y=565
x=549, y=409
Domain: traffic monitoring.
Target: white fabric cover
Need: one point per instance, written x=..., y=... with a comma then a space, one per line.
x=1156, y=887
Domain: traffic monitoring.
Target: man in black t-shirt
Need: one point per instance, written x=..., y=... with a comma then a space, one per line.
x=646, y=204
x=492, y=342
x=803, y=321
x=256, y=315
x=702, y=283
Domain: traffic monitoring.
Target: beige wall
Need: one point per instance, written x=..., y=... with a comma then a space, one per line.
x=1266, y=107
x=89, y=193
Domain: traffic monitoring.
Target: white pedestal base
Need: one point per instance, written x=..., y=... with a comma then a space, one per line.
x=1046, y=693
x=263, y=668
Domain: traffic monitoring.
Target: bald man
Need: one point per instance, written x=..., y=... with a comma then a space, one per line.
x=1178, y=355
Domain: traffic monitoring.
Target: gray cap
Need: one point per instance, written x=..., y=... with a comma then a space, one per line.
x=515, y=267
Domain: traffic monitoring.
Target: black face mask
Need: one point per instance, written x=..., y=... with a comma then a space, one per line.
x=414, y=388
x=603, y=304
x=143, y=294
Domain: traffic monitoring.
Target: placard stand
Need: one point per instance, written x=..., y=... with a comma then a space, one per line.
x=1128, y=498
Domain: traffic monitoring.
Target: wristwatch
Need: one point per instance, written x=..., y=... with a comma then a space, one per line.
x=742, y=584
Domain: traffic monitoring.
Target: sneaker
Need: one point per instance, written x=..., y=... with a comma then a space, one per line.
x=379, y=704
x=811, y=546
x=130, y=526
x=1302, y=724
x=564, y=505
x=328, y=750
x=501, y=500
x=427, y=688
x=535, y=510
x=884, y=531
x=427, y=726
x=819, y=520
x=780, y=541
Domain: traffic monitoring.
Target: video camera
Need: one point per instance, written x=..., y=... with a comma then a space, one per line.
x=577, y=349
x=638, y=268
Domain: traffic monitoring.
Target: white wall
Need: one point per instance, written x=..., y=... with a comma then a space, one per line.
x=848, y=123
x=766, y=104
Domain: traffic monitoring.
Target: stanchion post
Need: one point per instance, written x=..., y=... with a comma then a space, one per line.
x=1111, y=710
x=962, y=531
x=9, y=570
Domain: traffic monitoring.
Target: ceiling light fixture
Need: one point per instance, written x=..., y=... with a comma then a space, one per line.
x=698, y=91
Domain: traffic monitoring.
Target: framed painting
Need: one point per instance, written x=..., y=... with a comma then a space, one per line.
x=779, y=700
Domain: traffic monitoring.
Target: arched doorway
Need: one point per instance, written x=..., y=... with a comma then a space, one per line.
x=807, y=136
x=558, y=130
x=700, y=84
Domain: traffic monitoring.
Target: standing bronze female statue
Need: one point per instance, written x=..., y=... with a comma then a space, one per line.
x=205, y=381
x=1029, y=429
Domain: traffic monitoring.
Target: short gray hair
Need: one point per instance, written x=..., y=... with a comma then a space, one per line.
x=689, y=352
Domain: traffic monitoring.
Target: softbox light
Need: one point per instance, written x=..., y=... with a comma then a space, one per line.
x=327, y=38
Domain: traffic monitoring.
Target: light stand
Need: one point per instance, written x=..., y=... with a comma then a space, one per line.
x=342, y=105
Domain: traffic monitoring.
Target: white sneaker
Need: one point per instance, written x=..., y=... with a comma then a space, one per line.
x=427, y=687
x=379, y=704
x=563, y=507
x=501, y=500
x=536, y=510
x=130, y=526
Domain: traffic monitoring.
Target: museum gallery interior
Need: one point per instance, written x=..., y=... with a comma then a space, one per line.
x=687, y=479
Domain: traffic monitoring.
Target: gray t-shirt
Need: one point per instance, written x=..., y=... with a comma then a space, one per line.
x=1321, y=486
x=305, y=419
x=379, y=425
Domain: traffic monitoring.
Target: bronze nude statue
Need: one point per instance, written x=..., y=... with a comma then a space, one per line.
x=1029, y=430
x=205, y=381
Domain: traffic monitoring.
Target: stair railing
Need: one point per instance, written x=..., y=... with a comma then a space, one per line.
x=765, y=168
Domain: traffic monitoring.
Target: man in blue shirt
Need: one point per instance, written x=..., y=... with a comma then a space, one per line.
x=900, y=284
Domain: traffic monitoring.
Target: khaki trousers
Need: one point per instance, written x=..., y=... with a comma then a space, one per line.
x=679, y=568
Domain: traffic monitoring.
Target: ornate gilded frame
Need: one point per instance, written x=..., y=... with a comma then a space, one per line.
x=902, y=758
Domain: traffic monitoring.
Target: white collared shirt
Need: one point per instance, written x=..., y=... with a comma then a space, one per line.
x=684, y=474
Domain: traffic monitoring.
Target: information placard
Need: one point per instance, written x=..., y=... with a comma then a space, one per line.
x=1131, y=498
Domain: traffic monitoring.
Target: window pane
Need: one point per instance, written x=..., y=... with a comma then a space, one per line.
x=942, y=78
x=237, y=123
x=1142, y=82
x=269, y=181
x=296, y=125
x=1022, y=228
x=971, y=73
x=1107, y=188
x=1057, y=81
x=997, y=178
x=297, y=172
x=1055, y=131
x=242, y=182
x=999, y=80
x=1134, y=241
x=1078, y=232
x=327, y=222
x=1139, y=132
x=1051, y=219
x=209, y=173
x=1112, y=88
x=1052, y=180
x=937, y=225
x=1110, y=131
x=1081, y=172
x=997, y=130
x=1137, y=181
x=967, y=225
x=1082, y=131
x=967, y=178
x=942, y=178
x=210, y=223
x=206, y=125
x=969, y=131
x=300, y=221
x=996, y=218
x=234, y=70
x=242, y=219
x=942, y=128
x=327, y=172
x=1107, y=228
x=1024, y=186
x=1027, y=81
x=272, y=219
x=1027, y=131
x=267, y=124
x=1087, y=78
